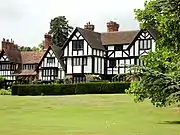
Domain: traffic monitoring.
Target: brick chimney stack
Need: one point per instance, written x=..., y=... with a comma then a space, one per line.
x=112, y=26
x=48, y=41
x=6, y=44
x=89, y=26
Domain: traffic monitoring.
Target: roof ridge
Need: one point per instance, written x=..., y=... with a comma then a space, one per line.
x=88, y=30
x=121, y=31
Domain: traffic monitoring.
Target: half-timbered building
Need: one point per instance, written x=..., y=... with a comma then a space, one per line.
x=83, y=53
x=51, y=66
x=106, y=54
x=44, y=65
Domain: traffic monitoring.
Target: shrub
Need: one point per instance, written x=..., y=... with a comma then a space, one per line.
x=101, y=88
x=43, y=89
x=64, y=89
x=5, y=92
x=2, y=82
x=69, y=89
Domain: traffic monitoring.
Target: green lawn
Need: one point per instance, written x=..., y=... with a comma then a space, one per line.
x=85, y=115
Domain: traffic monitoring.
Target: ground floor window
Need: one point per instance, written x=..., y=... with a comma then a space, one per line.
x=78, y=79
x=50, y=72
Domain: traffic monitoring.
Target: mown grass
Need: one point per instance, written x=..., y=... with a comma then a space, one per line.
x=85, y=115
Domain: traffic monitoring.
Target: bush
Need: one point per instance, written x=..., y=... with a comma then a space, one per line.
x=64, y=89
x=2, y=82
x=43, y=89
x=69, y=89
x=101, y=88
x=5, y=92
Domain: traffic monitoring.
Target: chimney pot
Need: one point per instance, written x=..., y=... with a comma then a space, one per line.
x=112, y=26
x=89, y=26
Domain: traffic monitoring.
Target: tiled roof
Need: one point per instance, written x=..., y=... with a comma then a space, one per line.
x=97, y=40
x=25, y=73
x=121, y=37
x=32, y=57
x=58, y=53
x=13, y=55
x=93, y=38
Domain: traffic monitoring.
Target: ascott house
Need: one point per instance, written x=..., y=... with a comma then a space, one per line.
x=85, y=52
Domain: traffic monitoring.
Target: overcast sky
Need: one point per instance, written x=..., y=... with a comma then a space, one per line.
x=26, y=21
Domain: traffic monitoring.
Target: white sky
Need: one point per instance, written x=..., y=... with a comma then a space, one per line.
x=26, y=21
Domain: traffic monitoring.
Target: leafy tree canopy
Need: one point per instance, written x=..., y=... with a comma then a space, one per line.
x=34, y=48
x=60, y=30
x=27, y=49
x=160, y=76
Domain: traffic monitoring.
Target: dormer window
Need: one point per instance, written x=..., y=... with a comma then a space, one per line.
x=77, y=45
x=51, y=60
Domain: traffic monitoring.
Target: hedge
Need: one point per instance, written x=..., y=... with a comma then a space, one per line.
x=101, y=88
x=69, y=89
x=2, y=82
x=43, y=89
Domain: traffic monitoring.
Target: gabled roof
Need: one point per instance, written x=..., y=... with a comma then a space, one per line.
x=98, y=40
x=13, y=55
x=58, y=53
x=32, y=57
x=120, y=37
x=153, y=32
x=93, y=38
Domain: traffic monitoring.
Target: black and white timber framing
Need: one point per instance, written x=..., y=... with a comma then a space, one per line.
x=7, y=68
x=85, y=52
x=122, y=55
x=81, y=57
x=50, y=67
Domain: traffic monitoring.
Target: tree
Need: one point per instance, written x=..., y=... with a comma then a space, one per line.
x=60, y=30
x=24, y=48
x=159, y=78
x=28, y=49
x=41, y=45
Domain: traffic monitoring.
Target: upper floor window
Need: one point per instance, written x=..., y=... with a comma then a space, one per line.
x=77, y=45
x=5, y=66
x=80, y=61
x=112, y=63
x=144, y=44
x=118, y=48
x=29, y=66
x=50, y=60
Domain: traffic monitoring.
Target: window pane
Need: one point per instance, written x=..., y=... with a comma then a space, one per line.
x=145, y=44
x=85, y=61
x=74, y=61
x=112, y=63
x=80, y=61
x=77, y=45
x=141, y=44
x=50, y=60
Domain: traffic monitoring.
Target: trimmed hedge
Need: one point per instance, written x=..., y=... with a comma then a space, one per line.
x=69, y=89
x=101, y=88
x=43, y=89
